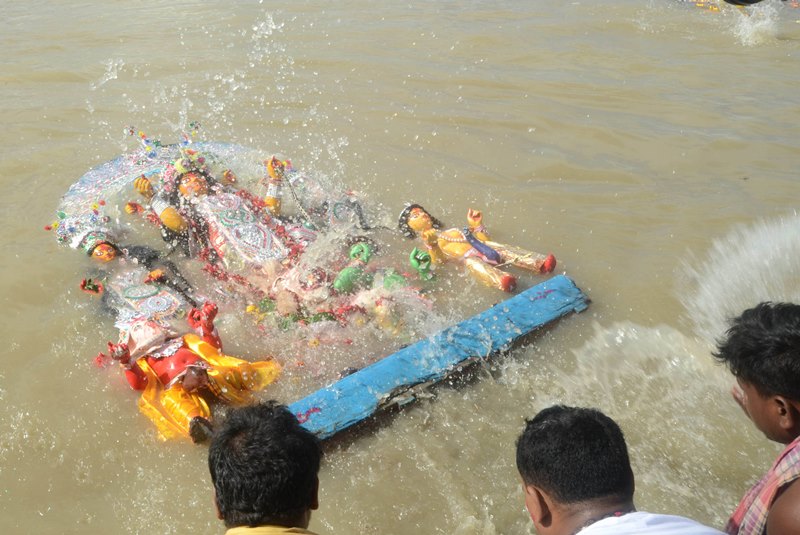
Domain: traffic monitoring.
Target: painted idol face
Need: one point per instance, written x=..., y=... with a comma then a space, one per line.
x=104, y=253
x=419, y=220
x=193, y=185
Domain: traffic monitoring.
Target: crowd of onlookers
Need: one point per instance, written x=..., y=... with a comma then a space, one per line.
x=574, y=465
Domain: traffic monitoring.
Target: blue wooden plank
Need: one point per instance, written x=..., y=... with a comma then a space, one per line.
x=356, y=397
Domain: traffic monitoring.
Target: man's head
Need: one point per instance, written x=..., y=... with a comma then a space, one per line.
x=264, y=468
x=570, y=456
x=762, y=350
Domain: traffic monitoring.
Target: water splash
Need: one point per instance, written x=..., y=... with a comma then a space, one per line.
x=749, y=265
x=756, y=25
x=658, y=384
x=113, y=68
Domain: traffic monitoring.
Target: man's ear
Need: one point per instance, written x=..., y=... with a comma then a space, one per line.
x=537, y=504
x=788, y=413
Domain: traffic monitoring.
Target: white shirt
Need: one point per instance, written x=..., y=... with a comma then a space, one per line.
x=641, y=523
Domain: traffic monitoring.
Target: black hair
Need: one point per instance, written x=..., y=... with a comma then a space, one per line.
x=264, y=466
x=402, y=220
x=575, y=455
x=762, y=347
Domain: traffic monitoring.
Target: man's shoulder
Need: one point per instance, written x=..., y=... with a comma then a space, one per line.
x=649, y=523
x=784, y=514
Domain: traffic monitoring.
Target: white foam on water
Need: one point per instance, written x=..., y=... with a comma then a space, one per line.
x=757, y=24
x=671, y=400
x=751, y=264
